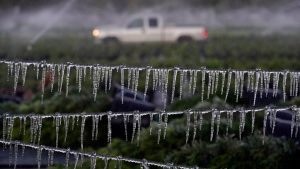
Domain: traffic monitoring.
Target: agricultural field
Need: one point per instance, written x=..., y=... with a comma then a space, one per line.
x=174, y=139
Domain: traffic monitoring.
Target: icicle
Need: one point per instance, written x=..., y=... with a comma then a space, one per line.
x=10, y=155
x=151, y=120
x=110, y=73
x=139, y=123
x=166, y=125
x=24, y=72
x=37, y=68
x=57, y=125
x=210, y=77
x=159, y=126
x=82, y=130
x=68, y=78
x=202, y=83
x=200, y=120
x=40, y=124
x=122, y=83
x=137, y=72
x=293, y=123
x=252, y=120
x=16, y=155
x=284, y=84
x=195, y=125
x=191, y=81
x=265, y=124
x=119, y=162
x=212, y=124
x=223, y=82
x=242, y=123
x=62, y=72
x=106, y=71
x=216, y=81
x=242, y=79
x=125, y=126
x=80, y=79
x=257, y=77
x=188, y=123
x=129, y=78
x=228, y=84
x=262, y=76
x=4, y=126
x=67, y=158
x=227, y=121
x=66, y=123
x=174, y=84
x=93, y=161
x=195, y=81
x=49, y=156
x=297, y=122
x=16, y=76
x=273, y=120
x=96, y=125
x=181, y=83
x=109, y=115
x=148, y=71
x=218, y=116
x=39, y=156
x=267, y=83
x=76, y=160
x=43, y=66
x=134, y=119
x=213, y=81
x=52, y=70
x=23, y=150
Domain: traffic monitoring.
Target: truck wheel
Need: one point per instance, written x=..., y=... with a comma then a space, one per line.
x=185, y=39
x=111, y=41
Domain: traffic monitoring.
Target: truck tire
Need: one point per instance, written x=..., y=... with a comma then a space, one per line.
x=185, y=39
x=111, y=40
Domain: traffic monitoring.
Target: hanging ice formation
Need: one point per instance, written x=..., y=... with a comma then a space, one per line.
x=92, y=156
x=212, y=81
x=36, y=122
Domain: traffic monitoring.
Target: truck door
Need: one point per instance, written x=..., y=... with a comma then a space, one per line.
x=153, y=31
x=135, y=31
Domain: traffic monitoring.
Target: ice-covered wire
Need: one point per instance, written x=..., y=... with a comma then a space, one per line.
x=144, y=162
x=213, y=80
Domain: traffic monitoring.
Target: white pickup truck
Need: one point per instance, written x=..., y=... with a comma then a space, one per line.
x=150, y=29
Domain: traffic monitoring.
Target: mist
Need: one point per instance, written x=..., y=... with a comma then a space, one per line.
x=37, y=22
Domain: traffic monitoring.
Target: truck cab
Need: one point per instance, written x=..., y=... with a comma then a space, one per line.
x=149, y=29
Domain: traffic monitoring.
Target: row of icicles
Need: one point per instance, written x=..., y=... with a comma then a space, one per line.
x=212, y=81
x=70, y=120
x=14, y=152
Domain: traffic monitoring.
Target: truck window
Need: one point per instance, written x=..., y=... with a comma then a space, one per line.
x=153, y=23
x=137, y=23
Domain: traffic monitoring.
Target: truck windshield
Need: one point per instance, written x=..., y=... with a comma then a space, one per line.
x=137, y=23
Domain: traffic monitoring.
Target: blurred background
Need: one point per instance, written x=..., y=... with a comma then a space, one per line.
x=237, y=34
